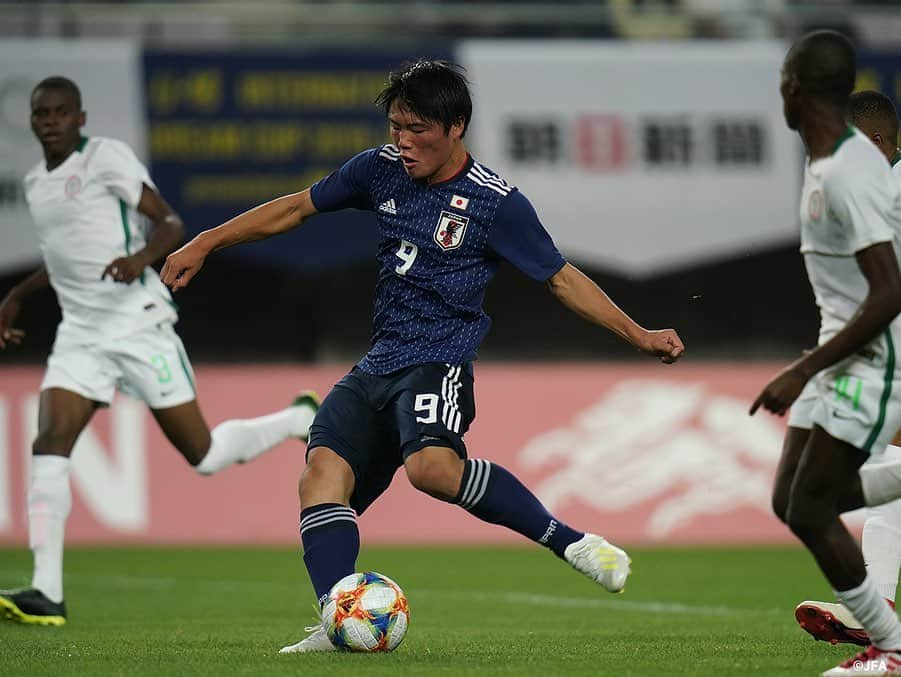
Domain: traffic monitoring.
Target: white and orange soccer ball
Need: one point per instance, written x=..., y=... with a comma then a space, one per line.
x=366, y=612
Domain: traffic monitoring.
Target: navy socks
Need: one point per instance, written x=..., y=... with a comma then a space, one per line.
x=331, y=543
x=331, y=540
x=493, y=494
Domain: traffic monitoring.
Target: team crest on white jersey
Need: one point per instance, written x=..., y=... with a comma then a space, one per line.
x=450, y=230
x=73, y=186
x=815, y=205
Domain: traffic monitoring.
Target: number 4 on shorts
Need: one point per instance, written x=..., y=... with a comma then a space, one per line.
x=849, y=388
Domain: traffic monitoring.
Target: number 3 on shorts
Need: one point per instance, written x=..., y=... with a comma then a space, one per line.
x=161, y=366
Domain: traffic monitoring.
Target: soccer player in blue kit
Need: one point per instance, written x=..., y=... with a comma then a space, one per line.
x=446, y=223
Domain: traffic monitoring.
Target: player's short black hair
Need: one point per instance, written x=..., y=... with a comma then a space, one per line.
x=825, y=64
x=875, y=106
x=59, y=82
x=436, y=91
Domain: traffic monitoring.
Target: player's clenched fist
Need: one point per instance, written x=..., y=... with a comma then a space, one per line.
x=182, y=265
x=663, y=343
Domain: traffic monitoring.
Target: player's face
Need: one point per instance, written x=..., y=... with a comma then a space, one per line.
x=789, y=89
x=56, y=121
x=428, y=152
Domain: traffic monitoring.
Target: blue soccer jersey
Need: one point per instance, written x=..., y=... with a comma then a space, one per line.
x=440, y=245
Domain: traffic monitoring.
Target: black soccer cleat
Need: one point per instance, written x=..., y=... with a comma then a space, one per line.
x=31, y=607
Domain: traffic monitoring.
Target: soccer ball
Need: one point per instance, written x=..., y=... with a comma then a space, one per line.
x=366, y=612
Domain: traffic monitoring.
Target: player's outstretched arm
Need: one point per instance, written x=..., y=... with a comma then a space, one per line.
x=167, y=232
x=12, y=304
x=882, y=304
x=266, y=220
x=580, y=294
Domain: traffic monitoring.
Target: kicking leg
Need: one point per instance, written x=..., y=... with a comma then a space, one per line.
x=493, y=494
x=156, y=368
x=234, y=441
x=62, y=416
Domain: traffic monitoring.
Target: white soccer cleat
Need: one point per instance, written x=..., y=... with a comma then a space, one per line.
x=317, y=641
x=600, y=560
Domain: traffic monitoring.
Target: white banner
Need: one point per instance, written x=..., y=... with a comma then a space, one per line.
x=108, y=73
x=641, y=158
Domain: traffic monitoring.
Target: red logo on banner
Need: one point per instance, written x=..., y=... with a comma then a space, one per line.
x=601, y=142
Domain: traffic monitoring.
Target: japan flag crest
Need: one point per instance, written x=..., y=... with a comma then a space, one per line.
x=460, y=203
x=450, y=230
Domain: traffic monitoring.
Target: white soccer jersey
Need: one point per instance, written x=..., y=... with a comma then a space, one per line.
x=850, y=201
x=85, y=213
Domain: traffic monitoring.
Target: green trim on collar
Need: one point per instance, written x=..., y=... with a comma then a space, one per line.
x=849, y=132
x=896, y=158
x=82, y=142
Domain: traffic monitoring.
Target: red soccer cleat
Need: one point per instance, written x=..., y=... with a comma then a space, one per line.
x=832, y=623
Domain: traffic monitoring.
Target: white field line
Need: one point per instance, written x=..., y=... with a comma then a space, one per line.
x=537, y=599
x=158, y=583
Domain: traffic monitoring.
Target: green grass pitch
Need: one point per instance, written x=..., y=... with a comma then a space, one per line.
x=475, y=611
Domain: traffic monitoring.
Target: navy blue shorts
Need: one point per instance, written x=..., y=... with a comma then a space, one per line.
x=374, y=422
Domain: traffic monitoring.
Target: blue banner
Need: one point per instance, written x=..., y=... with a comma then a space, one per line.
x=880, y=70
x=232, y=129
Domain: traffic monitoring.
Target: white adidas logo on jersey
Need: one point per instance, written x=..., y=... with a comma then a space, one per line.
x=388, y=207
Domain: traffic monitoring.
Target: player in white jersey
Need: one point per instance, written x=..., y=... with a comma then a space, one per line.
x=850, y=406
x=874, y=114
x=86, y=198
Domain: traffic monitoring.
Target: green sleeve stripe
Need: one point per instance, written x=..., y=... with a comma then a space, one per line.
x=886, y=391
x=123, y=212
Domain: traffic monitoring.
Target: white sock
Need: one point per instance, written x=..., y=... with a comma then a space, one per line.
x=881, y=481
x=242, y=440
x=49, y=503
x=882, y=547
x=874, y=614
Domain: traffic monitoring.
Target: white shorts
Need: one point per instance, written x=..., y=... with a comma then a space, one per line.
x=857, y=400
x=150, y=365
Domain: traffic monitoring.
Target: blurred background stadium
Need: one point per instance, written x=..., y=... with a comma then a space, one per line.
x=232, y=103
x=648, y=134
